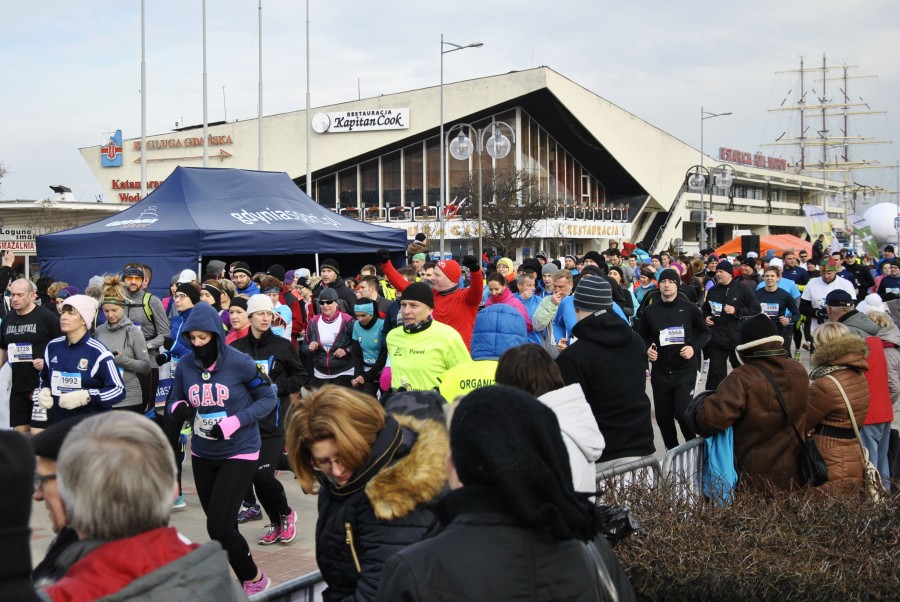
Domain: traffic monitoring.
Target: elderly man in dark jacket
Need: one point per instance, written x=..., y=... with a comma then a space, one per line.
x=726, y=304
x=766, y=449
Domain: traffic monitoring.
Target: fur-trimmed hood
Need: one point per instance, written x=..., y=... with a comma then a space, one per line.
x=848, y=350
x=416, y=478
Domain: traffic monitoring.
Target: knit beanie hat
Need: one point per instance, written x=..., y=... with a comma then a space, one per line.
x=331, y=264
x=725, y=266
x=420, y=237
x=419, y=291
x=85, y=306
x=549, y=268
x=212, y=287
x=531, y=265
x=507, y=262
x=240, y=302
x=215, y=267
x=776, y=262
x=65, y=293
x=420, y=257
x=190, y=290
x=504, y=438
x=669, y=274
x=328, y=294
x=756, y=331
x=243, y=267
x=830, y=265
x=16, y=480
x=304, y=272
x=259, y=302
x=276, y=270
x=593, y=293
x=451, y=270
x=593, y=256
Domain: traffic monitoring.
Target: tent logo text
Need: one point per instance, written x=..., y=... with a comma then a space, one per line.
x=268, y=216
x=148, y=216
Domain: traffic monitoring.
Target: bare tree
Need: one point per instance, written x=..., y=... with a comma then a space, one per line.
x=512, y=208
x=3, y=171
x=53, y=219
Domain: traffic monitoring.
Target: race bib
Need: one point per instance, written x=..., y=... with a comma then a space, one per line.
x=671, y=336
x=770, y=309
x=716, y=308
x=64, y=382
x=203, y=423
x=19, y=352
x=38, y=413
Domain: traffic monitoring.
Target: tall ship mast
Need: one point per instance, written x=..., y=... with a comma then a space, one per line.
x=825, y=111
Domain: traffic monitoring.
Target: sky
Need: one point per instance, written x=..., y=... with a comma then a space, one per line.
x=70, y=71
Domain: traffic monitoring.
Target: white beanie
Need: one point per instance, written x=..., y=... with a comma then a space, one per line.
x=259, y=302
x=85, y=306
x=776, y=262
x=872, y=301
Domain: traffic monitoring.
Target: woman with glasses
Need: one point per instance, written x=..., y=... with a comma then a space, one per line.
x=329, y=343
x=375, y=474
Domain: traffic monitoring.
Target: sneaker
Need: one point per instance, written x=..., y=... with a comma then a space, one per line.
x=288, y=527
x=797, y=355
x=179, y=503
x=255, y=587
x=272, y=535
x=249, y=513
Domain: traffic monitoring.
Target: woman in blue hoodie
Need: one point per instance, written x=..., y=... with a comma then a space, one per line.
x=223, y=393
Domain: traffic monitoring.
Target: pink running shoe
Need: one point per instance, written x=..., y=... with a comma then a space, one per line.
x=288, y=527
x=254, y=587
x=272, y=535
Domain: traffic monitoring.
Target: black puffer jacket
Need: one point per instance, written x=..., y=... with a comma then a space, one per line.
x=382, y=509
x=486, y=553
x=726, y=327
x=609, y=361
x=280, y=361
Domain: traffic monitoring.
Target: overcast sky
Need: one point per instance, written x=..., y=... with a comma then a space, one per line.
x=71, y=70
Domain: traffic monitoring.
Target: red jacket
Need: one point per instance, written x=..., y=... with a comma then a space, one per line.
x=880, y=409
x=456, y=308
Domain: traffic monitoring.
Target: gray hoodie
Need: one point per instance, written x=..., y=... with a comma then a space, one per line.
x=132, y=358
x=580, y=433
x=860, y=324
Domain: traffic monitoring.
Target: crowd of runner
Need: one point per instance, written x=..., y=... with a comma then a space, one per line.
x=338, y=377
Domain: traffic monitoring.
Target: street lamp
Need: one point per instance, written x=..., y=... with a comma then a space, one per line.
x=453, y=48
x=696, y=178
x=704, y=115
x=498, y=146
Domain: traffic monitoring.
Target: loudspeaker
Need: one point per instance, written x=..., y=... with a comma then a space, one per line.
x=749, y=242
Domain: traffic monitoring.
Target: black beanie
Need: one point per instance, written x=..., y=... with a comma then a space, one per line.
x=16, y=481
x=503, y=437
x=239, y=302
x=242, y=266
x=419, y=291
x=190, y=290
x=669, y=274
x=757, y=331
x=331, y=264
x=276, y=270
x=593, y=256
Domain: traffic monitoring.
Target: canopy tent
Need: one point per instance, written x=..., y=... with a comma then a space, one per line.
x=204, y=212
x=777, y=242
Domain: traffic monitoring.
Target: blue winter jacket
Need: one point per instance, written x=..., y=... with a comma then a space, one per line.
x=230, y=387
x=531, y=304
x=497, y=328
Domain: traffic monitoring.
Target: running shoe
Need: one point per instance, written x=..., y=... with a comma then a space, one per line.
x=255, y=587
x=288, y=527
x=272, y=535
x=179, y=503
x=797, y=355
x=249, y=513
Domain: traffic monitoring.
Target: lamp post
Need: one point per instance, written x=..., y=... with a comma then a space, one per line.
x=704, y=115
x=453, y=48
x=498, y=146
x=696, y=179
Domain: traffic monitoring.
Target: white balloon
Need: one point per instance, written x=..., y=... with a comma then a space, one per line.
x=881, y=219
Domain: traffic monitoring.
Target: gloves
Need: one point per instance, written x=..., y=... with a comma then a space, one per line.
x=261, y=379
x=45, y=398
x=383, y=255
x=216, y=432
x=180, y=412
x=74, y=399
x=161, y=359
x=168, y=342
x=470, y=262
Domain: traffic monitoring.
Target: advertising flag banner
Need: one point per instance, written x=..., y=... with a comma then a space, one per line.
x=864, y=231
x=817, y=222
x=111, y=152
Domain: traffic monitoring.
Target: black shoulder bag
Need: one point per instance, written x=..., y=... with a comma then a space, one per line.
x=813, y=468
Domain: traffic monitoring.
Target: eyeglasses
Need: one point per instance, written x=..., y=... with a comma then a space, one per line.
x=39, y=480
x=325, y=302
x=181, y=296
x=325, y=464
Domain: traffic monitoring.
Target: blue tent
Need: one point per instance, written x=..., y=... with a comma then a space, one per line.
x=198, y=213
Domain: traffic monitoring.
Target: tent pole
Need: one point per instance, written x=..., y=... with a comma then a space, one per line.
x=317, y=263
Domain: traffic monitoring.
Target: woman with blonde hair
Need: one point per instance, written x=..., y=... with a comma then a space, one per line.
x=841, y=355
x=374, y=473
x=125, y=341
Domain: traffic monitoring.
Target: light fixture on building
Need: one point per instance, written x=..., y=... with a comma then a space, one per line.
x=704, y=115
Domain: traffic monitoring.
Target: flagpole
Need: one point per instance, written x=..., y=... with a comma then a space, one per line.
x=143, y=107
x=260, y=113
x=205, y=115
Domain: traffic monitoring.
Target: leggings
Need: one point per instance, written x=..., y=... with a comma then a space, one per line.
x=220, y=486
x=268, y=488
x=172, y=432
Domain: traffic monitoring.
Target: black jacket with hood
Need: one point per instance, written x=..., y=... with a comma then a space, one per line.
x=609, y=361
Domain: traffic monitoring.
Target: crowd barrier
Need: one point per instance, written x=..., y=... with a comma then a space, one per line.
x=306, y=588
x=682, y=468
x=618, y=480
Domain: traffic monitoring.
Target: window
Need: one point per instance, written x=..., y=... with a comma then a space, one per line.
x=390, y=178
x=412, y=166
x=347, y=188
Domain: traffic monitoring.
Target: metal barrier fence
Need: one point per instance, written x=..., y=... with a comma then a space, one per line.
x=618, y=480
x=306, y=588
x=682, y=468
